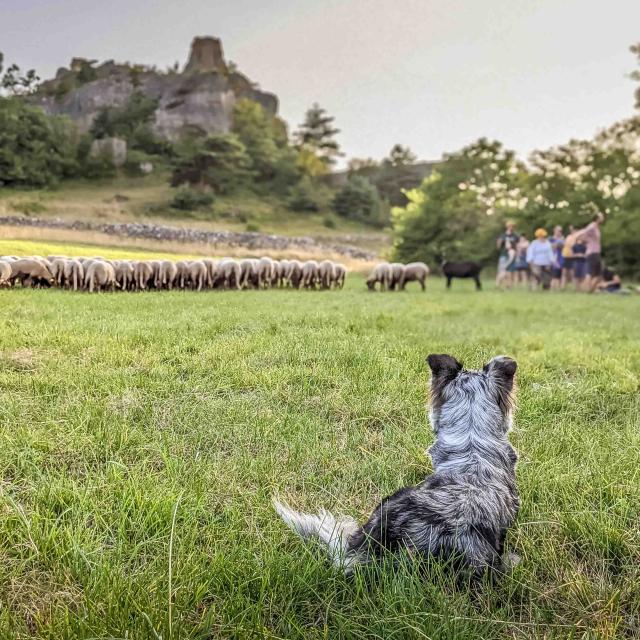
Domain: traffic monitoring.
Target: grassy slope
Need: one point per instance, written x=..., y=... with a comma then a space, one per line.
x=119, y=411
x=20, y=247
x=148, y=200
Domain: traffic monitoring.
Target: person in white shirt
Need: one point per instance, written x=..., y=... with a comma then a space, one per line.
x=540, y=259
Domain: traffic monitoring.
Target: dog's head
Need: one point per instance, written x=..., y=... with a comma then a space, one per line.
x=484, y=397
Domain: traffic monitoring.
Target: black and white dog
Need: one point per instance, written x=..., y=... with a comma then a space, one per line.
x=463, y=510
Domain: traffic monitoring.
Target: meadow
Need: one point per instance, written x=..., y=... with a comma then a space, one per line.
x=143, y=435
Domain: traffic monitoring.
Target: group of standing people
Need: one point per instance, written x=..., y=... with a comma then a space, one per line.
x=553, y=263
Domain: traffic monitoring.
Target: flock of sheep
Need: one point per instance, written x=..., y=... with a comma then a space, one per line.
x=389, y=276
x=100, y=274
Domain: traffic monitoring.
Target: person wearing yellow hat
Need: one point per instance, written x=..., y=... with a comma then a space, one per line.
x=540, y=259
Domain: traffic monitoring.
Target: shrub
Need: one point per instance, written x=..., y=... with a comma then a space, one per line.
x=186, y=199
x=132, y=165
x=99, y=167
x=330, y=222
x=359, y=200
x=28, y=207
x=252, y=225
x=306, y=195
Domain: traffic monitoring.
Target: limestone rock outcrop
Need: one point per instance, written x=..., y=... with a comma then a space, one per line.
x=200, y=98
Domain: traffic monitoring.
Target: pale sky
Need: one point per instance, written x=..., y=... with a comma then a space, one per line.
x=431, y=74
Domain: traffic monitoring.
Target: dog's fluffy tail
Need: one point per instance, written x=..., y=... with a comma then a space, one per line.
x=333, y=533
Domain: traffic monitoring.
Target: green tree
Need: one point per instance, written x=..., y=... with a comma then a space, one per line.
x=14, y=83
x=396, y=175
x=266, y=141
x=459, y=209
x=358, y=199
x=138, y=111
x=35, y=150
x=308, y=196
x=400, y=156
x=317, y=134
x=254, y=128
x=219, y=161
x=635, y=75
x=569, y=183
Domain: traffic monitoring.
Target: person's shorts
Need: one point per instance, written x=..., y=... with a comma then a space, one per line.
x=579, y=268
x=556, y=273
x=568, y=264
x=594, y=265
x=503, y=261
x=521, y=264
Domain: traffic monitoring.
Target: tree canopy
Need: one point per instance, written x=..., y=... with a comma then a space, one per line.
x=317, y=134
x=35, y=150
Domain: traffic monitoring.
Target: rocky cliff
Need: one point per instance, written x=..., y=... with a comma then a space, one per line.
x=200, y=98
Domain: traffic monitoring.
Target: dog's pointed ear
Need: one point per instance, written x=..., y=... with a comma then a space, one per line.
x=443, y=366
x=503, y=369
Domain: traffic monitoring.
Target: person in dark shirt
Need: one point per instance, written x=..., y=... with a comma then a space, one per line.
x=506, y=240
x=610, y=281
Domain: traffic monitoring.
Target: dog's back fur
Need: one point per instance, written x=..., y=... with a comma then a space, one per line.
x=463, y=510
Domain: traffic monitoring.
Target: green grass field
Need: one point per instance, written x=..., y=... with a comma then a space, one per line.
x=143, y=435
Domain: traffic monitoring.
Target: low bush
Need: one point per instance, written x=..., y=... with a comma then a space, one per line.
x=187, y=199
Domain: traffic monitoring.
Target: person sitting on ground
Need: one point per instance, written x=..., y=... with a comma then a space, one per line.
x=610, y=283
x=540, y=258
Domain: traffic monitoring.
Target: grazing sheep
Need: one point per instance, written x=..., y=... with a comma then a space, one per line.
x=182, y=277
x=143, y=274
x=229, y=272
x=212, y=271
x=414, y=272
x=293, y=274
x=198, y=275
x=396, y=271
x=31, y=272
x=167, y=274
x=266, y=272
x=73, y=274
x=463, y=269
x=381, y=274
x=100, y=275
x=339, y=275
x=249, y=273
x=5, y=273
x=57, y=268
x=282, y=267
x=309, y=274
x=124, y=274
x=325, y=274
x=96, y=273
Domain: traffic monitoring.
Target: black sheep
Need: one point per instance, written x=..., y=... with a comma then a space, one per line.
x=463, y=269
